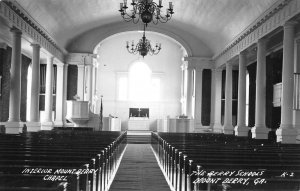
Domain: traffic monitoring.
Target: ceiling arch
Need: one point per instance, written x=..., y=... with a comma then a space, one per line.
x=89, y=40
x=213, y=23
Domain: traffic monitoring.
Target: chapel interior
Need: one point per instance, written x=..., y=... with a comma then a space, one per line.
x=213, y=93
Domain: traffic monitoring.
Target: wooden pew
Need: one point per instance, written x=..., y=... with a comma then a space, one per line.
x=179, y=155
x=56, y=150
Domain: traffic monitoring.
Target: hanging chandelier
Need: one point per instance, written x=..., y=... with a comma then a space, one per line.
x=143, y=47
x=146, y=10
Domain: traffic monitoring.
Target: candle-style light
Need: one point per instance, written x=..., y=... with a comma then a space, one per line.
x=143, y=47
x=146, y=10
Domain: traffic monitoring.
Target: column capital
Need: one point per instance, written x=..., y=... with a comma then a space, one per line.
x=90, y=65
x=183, y=66
x=199, y=69
x=242, y=59
x=59, y=64
x=190, y=66
x=50, y=58
x=96, y=64
x=35, y=45
x=261, y=41
x=290, y=24
x=243, y=53
x=298, y=41
x=217, y=69
x=229, y=64
x=80, y=66
x=15, y=31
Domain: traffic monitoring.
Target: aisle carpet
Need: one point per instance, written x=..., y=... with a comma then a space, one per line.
x=139, y=171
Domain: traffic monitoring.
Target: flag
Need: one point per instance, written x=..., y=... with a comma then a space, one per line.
x=101, y=116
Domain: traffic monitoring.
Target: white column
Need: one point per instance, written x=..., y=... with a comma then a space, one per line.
x=260, y=130
x=59, y=95
x=198, y=98
x=217, y=86
x=47, y=122
x=228, y=128
x=286, y=132
x=241, y=129
x=183, y=92
x=65, y=90
x=89, y=92
x=296, y=113
x=34, y=118
x=94, y=91
x=13, y=125
x=189, y=93
x=80, y=82
x=212, y=98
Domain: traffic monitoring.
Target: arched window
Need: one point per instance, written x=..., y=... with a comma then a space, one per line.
x=139, y=85
x=139, y=82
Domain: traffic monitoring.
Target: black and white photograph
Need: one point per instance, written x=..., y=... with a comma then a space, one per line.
x=149, y=95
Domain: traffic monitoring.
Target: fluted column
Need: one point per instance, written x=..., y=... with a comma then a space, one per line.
x=198, y=98
x=48, y=123
x=13, y=125
x=241, y=129
x=287, y=133
x=189, y=92
x=217, y=86
x=260, y=130
x=34, y=118
x=228, y=128
x=80, y=82
x=88, y=95
x=59, y=95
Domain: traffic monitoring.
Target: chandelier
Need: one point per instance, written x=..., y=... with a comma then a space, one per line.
x=146, y=10
x=143, y=47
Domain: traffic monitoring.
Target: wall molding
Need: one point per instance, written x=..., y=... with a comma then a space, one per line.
x=80, y=58
x=198, y=62
x=276, y=16
x=18, y=19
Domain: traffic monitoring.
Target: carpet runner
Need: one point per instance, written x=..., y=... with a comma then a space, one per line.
x=139, y=171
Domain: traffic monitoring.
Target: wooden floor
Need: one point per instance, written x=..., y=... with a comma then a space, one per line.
x=139, y=171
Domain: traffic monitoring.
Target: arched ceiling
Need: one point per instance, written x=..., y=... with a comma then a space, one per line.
x=211, y=22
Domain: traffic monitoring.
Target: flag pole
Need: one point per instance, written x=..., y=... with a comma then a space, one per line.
x=101, y=115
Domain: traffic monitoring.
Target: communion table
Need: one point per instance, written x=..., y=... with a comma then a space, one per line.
x=138, y=123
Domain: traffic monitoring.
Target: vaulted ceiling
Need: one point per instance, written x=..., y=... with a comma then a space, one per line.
x=211, y=22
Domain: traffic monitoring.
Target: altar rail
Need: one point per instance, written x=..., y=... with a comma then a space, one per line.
x=59, y=160
x=224, y=162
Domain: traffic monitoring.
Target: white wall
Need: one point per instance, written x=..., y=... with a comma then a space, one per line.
x=114, y=61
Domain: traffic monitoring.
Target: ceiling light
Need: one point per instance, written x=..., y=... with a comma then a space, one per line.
x=146, y=10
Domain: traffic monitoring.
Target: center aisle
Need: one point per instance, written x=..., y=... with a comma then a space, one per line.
x=139, y=171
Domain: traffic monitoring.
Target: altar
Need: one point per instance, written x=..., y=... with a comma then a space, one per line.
x=138, y=123
x=138, y=119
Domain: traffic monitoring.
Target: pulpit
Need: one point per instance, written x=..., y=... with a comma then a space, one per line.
x=78, y=112
x=111, y=124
